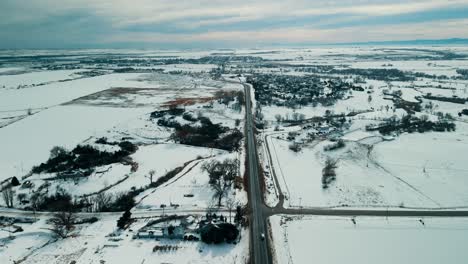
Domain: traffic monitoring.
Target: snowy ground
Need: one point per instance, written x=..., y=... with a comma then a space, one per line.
x=84, y=117
x=36, y=118
x=65, y=126
x=92, y=243
x=161, y=158
x=397, y=173
x=190, y=189
x=333, y=240
x=40, y=109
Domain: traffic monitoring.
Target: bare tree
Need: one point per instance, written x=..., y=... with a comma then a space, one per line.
x=221, y=174
x=279, y=118
x=102, y=201
x=63, y=224
x=36, y=199
x=231, y=204
x=151, y=175
x=8, y=196
x=295, y=116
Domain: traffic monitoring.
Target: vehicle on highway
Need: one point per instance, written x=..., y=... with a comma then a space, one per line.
x=262, y=236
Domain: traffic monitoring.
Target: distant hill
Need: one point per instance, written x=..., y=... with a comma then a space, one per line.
x=451, y=41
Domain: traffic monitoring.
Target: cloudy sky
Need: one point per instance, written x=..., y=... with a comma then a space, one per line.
x=221, y=23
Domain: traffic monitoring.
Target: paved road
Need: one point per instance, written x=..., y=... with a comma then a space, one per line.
x=260, y=253
x=366, y=212
x=136, y=213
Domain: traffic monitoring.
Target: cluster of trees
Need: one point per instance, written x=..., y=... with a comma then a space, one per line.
x=377, y=74
x=410, y=123
x=455, y=100
x=83, y=158
x=226, y=97
x=409, y=107
x=219, y=233
x=128, y=64
x=222, y=175
x=208, y=134
x=290, y=118
x=204, y=134
x=328, y=172
x=61, y=200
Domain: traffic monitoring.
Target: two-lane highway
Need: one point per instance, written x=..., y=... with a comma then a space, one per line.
x=259, y=239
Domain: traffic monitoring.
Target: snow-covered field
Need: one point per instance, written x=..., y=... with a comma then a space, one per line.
x=403, y=172
x=333, y=240
x=68, y=125
x=28, y=142
x=161, y=158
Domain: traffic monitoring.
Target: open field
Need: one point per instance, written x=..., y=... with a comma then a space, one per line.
x=370, y=240
x=397, y=173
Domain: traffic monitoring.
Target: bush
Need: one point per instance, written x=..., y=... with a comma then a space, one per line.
x=168, y=122
x=61, y=201
x=296, y=147
x=328, y=172
x=123, y=202
x=189, y=117
x=162, y=113
x=334, y=146
x=124, y=219
x=15, y=181
x=169, y=175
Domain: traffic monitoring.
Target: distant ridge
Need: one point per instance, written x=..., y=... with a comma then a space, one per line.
x=451, y=41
